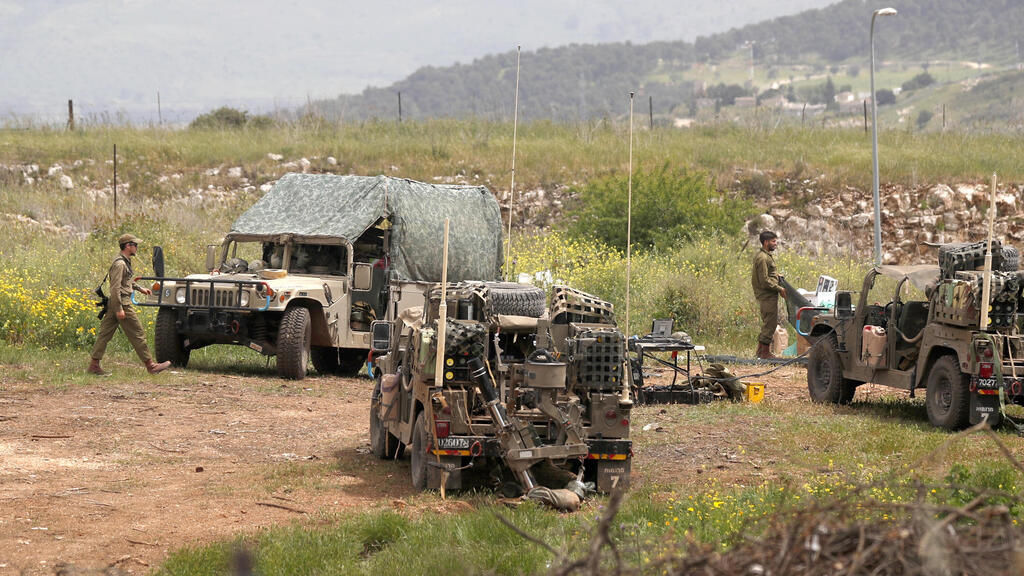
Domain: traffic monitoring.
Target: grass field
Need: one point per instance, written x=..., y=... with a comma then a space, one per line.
x=876, y=451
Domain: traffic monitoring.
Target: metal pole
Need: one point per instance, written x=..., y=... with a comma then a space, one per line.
x=874, y=138
x=865, y=116
x=512, y=186
x=399, y=107
x=650, y=109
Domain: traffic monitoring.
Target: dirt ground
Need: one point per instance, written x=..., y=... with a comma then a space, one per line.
x=119, y=475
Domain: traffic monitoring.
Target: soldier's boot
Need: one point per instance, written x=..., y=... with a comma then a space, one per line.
x=764, y=352
x=154, y=368
x=94, y=368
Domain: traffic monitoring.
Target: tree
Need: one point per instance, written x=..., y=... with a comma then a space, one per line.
x=922, y=118
x=886, y=96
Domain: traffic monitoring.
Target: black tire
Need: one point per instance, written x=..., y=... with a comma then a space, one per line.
x=325, y=359
x=383, y=444
x=825, y=381
x=418, y=455
x=948, y=397
x=352, y=362
x=168, y=344
x=293, y=343
x=514, y=299
x=1010, y=260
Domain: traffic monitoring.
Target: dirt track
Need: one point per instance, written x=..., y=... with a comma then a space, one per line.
x=119, y=475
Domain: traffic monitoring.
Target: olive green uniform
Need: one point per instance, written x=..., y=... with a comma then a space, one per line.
x=121, y=288
x=765, y=280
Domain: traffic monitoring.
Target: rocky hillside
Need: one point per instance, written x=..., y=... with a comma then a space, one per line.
x=811, y=215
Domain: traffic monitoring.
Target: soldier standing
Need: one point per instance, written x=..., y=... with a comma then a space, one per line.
x=765, y=280
x=120, y=311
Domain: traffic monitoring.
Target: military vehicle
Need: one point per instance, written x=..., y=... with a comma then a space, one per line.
x=306, y=270
x=932, y=342
x=531, y=396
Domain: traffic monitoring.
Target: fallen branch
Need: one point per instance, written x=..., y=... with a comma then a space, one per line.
x=282, y=507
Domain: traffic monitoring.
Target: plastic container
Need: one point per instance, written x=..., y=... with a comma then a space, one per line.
x=872, y=349
x=755, y=392
x=780, y=341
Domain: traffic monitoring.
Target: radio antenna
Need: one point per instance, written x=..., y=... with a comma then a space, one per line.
x=629, y=212
x=512, y=187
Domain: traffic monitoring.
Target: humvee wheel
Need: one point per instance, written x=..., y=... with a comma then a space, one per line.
x=825, y=381
x=515, y=299
x=418, y=456
x=948, y=395
x=325, y=359
x=293, y=343
x=167, y=343
x=383, y=444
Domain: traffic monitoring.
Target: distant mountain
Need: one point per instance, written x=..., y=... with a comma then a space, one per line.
x=592, y=81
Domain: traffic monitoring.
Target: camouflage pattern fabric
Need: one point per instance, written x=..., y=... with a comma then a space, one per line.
x=322, y=206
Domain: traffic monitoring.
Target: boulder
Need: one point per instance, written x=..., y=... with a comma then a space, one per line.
x=941, y=196
x=860, y=220
x=66, y=183
x=235, y=172
x=275, y=157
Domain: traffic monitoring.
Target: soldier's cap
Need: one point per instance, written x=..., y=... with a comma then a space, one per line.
x=126, y=238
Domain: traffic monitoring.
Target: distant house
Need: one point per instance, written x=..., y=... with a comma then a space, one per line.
x=844, y=97
x=774, y=102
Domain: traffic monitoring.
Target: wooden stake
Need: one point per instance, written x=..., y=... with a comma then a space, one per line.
x=71, y=115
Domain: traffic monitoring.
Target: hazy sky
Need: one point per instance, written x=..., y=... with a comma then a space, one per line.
x=115, y=55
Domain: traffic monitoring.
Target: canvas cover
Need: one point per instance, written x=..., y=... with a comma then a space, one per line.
x=322, y=207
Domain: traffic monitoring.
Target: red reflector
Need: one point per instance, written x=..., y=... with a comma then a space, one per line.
x=625, y=422
x=988, y=353
x=442, y=428
x=611, y=414
x=985, y=370
x=988, y=392
x=156, y=286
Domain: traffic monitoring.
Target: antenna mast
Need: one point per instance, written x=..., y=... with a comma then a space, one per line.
x=629, y=213
x=512, y=187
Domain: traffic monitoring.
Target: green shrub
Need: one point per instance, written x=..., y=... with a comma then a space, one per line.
x=669, y=204
x=227, y=118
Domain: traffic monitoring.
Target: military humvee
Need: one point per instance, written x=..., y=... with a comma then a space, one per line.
x=309, y=267
x=932, y=341
x=531, y=398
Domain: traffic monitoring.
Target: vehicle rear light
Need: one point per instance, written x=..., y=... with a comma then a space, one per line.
x=987, y=353
x=611, y=414
x=156, y=286
x=442, y=428
x=985, y=370
x=625, y=422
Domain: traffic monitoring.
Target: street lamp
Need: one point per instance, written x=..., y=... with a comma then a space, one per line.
x=874, y=136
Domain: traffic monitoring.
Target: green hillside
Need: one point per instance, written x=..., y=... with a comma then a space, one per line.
x=795, y=55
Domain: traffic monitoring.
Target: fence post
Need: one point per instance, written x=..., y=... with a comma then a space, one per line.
x=71, y=115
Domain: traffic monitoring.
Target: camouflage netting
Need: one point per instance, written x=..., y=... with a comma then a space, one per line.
x=315, y=207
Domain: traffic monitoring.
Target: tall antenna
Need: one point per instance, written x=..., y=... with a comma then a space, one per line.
x=512, y=187
x=629, y=212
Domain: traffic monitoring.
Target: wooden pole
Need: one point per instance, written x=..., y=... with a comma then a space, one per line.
x=442, y=328
x=650, y=109
x=115, y=182
x=986, y=285
x=629, y=213
x=71, y=115
x=399, y=107
x=865, y=116
x=159, y=110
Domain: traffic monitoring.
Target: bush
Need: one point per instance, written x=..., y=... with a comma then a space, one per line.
x=920, y=81
x=668, y=205
x=923, y=117
x=227, y=118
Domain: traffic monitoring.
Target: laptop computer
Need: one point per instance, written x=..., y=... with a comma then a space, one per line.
x=662, y=327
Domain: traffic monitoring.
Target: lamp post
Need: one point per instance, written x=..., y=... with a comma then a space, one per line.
x=874, y=137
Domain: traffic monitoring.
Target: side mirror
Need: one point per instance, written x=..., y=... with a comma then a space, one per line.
x=363, y=276
x=380, y=336
x=844, y=305
x=158, y=261
x=211, y=257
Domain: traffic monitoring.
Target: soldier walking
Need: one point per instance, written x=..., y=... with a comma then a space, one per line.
x=765, y=280
x=120, y=311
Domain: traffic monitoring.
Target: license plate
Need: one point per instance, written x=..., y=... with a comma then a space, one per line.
x=453, y=443
x=986, y=382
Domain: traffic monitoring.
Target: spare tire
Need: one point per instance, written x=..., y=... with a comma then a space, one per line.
x=512, y=299
x=1010, y=260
